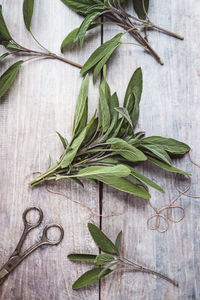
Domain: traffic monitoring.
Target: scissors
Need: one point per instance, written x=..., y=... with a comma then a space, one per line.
x=16, y=258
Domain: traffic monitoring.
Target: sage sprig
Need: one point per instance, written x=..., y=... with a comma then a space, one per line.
x=108, y=262
x=113, y=12
x=15, y=49
x=107, y=148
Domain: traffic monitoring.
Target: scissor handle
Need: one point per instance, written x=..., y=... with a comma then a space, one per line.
x=28, y=225
x=46, y=241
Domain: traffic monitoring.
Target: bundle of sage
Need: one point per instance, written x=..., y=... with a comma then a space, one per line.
x=107, y=148
x=15, y=49
x=105, y=262
x=114, y=13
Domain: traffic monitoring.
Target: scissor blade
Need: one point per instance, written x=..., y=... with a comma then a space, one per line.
x=3, y=275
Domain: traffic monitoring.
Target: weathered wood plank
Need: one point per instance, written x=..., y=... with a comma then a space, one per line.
x=169, y=108
x=42, y=101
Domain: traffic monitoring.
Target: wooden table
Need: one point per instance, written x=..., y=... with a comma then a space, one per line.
x=42, y=100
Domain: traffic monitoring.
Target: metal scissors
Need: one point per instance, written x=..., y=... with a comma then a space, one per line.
x=16, y=258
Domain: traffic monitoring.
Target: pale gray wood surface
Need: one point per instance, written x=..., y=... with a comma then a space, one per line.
x=42, y=101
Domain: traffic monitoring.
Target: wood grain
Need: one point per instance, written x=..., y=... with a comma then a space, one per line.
x=42, y=101
x=169, y=107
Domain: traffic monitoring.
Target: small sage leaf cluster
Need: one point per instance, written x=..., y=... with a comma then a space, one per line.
x=113, y=12
x=107, y=148
x=7, y=41
x=107, y=262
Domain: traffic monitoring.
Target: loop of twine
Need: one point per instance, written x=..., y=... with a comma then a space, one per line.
x=167, y=218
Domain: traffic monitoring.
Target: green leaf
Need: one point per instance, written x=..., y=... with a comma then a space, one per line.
x=158, y=152
x=124, y=185
x=28, y=7
x=170, y=145
x=84, y=7
x=63, y=140
x=107, y=268
x=7, y=79
x=134, y=87
x=103, y=259
x=165, y=166
x=116, y=171
x=141, y=8
x=126, y=150
x=100, y=52
x=92, y=130
x=124, y=112
x=4, y=33
x=13, y=47
x=145, y=180
x=104, y=111
x=102, y=62
x=71, y=37
x=118, y=242
x=85, y=26
x=102, y=241
x=74, y=146
x=82, y=257
x=114, y=102
x=136, y=110
x=81, y=111
x=77, y=180
x=89, y=277
x=3, y=56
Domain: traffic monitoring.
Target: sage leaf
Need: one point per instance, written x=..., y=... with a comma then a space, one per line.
x=4, y=33
x=77, y=180
x=136, y=109
x=135, y=86
x=74, y=146
x=107, y=268
x=165, y=166
x=102, y=241
x=103, y=259
x=28, y=7
x=89, y=277
x=7, y=79
x=85, y=26
x=170, y=145
x=103, y=109
x=124, y=185
x=71, y=37
x=81, y=111
x=63, y=140
x=3, y=56
x=100, y=52
x=78, y=6
x=116, y=171
x=82, y=257
x=118, y=242
x=124, y=112
x=143, y=179
x=141, y=8
x=114, y=102
x=158, y=152
x=102, y=62
x=13, y=47
x=126, y=150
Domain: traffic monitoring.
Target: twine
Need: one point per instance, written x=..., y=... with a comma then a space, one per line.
x=167, y=218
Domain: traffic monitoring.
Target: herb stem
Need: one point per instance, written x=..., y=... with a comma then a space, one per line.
x=39, y=43
x=147, y=270
x=48, y=55
x=151, y=25
x=177, y=36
